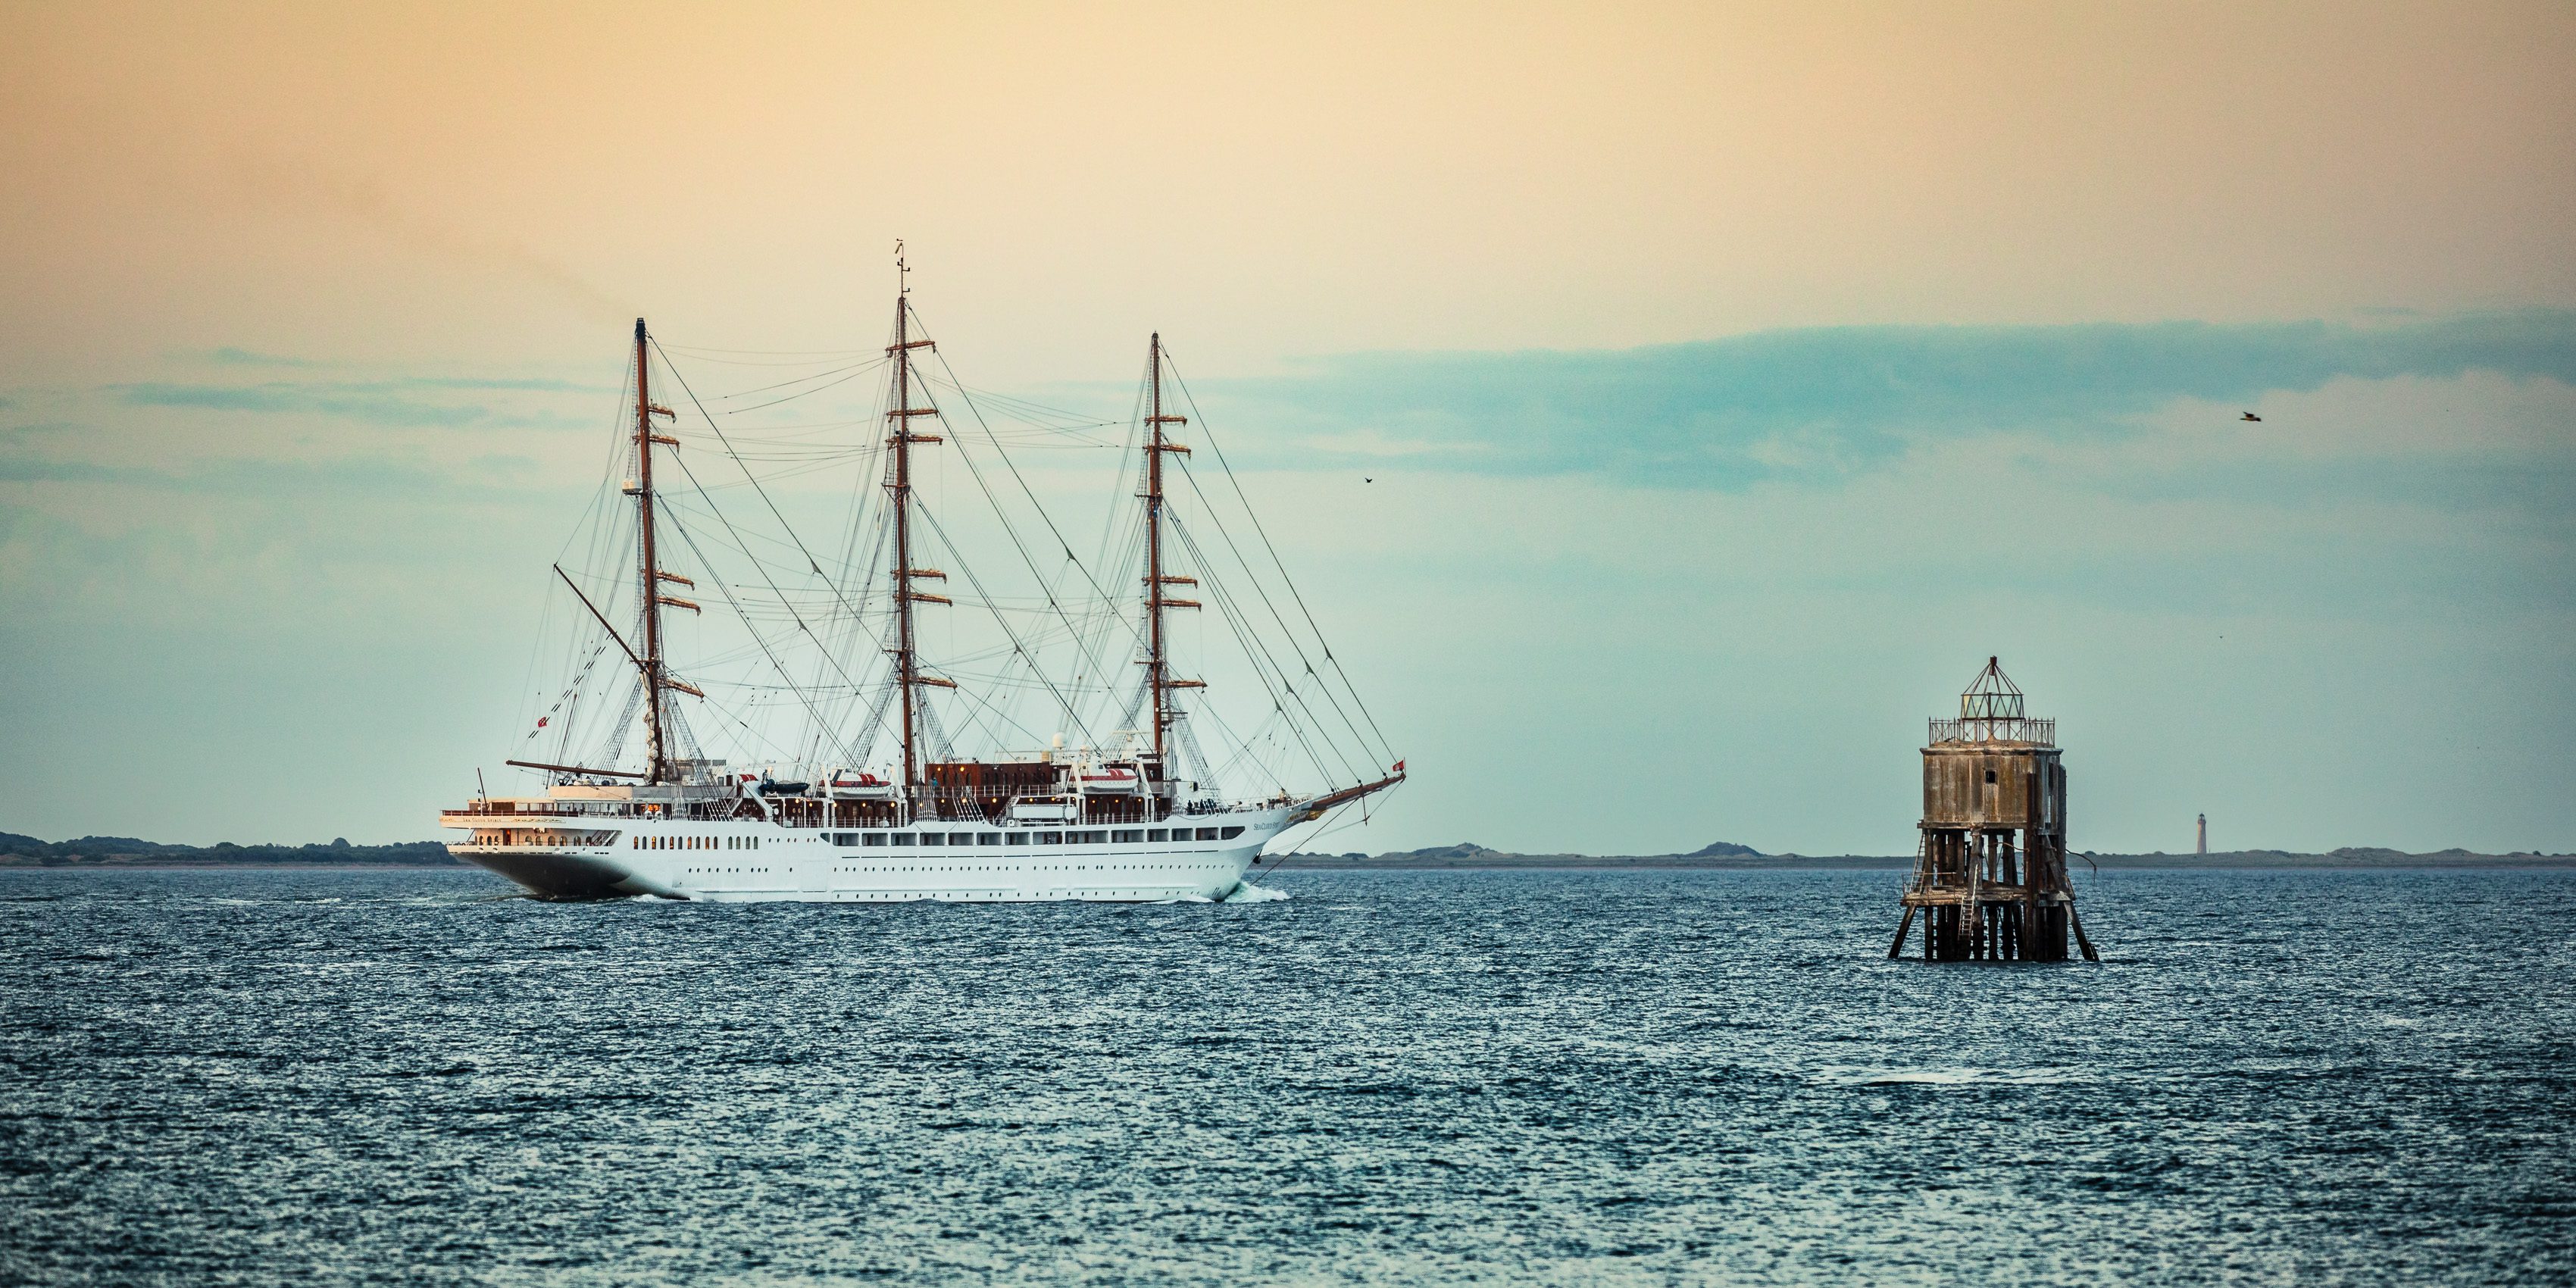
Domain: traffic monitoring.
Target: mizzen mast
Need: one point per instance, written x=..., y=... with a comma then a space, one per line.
x=908, y=676
x=1158, y=661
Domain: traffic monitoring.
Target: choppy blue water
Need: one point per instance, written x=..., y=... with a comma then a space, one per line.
x=403, y=1077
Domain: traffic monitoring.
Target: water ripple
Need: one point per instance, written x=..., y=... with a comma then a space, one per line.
x=1436, y=1077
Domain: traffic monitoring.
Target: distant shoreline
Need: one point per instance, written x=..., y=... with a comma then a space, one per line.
x=126, y=853
x=2243, y=860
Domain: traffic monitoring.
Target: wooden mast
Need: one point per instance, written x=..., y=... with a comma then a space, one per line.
x=908, y=675
x=658, y=766
x=1158, y=663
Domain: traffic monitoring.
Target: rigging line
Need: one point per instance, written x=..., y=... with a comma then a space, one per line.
x=1102, y=616
x=1120, y=553
x=856, y=633
x=1285, y=631
x=783, y=524
x=616, y=446
x=1242, y=751
x=774, y=663
x=861, y=371
x=1229, y=604
x=709, y=355
x=1027, y=410
x=1384, y=747
x=738, y=604
x=1331, y=828
x=1036, y=416
x=797, y=617
x=999, y=717
x=1013, y=532
x=1043, y=516
x=756, y=735
x=998, y=619
x=743, y=547
x=775, y=353
x=1251, y=641
x=593, y=516
x=746, y=393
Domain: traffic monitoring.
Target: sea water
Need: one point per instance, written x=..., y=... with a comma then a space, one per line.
x=1414, y=1077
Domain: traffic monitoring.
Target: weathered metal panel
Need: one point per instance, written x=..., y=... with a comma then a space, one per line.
x=1968, y=783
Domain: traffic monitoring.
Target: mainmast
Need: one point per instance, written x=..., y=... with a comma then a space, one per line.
x=1158, y=662
x=908, y=674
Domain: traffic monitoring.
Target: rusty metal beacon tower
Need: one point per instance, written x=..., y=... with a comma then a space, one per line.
x=1990, y=875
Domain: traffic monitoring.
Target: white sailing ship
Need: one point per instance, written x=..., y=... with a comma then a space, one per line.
x=876, y=805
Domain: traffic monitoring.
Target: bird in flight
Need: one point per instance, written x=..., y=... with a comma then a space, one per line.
x=2249, y=416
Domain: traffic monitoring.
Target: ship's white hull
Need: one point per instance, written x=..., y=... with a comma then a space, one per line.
x=752, y=861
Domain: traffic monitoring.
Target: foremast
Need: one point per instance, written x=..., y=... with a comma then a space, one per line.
x=650, y=574
x=900, y=438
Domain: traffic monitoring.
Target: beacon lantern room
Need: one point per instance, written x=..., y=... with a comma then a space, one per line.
x=1990, y=872
x=1993, y=765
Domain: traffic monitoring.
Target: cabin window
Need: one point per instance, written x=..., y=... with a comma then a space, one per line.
x=872, y=838
x=1015, y=838
x=1159, y=834
x=900, y=838
x=933, y=838
x=1990, y=775
x=1129, y=835
x=1050, y=838
x=1207, y=834
x=1231, y=833
x=988, y=838
x=961, y=838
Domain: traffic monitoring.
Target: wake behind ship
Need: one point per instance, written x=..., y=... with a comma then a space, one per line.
x=821, y=659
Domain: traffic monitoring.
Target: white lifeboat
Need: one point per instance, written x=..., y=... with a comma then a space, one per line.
x=1111, y=780
x=1048, y=809
x=858, y=785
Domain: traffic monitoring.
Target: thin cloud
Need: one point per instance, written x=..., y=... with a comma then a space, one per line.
x=369, y=407
x=403, y=402
x=1823, y=404
x=232, y=357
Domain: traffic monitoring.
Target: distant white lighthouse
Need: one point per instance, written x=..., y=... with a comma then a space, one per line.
x=2204, y=834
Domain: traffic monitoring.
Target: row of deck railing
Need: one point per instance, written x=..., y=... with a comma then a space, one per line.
x=1999, y=729
x=802, y=811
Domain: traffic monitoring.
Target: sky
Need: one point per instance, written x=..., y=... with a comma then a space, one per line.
x=1663, y=407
